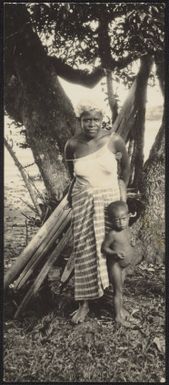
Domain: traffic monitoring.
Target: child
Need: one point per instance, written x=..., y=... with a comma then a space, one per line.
x=119, y=252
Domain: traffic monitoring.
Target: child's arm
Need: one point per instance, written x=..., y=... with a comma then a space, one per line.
x=105, y=248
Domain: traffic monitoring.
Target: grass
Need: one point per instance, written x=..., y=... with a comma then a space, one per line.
x=48, y=348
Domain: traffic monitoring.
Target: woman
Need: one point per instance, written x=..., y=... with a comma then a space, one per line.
x=91, y=158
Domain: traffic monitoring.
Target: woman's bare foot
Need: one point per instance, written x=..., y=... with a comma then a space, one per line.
x=80, y=314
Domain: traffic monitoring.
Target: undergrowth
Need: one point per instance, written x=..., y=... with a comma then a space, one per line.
x=46, y=347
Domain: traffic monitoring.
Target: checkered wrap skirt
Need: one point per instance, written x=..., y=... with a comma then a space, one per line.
x=89, y=225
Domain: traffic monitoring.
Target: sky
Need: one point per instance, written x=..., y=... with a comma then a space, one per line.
x=76, y=92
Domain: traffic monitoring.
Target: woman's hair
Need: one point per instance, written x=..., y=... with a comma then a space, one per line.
x=87, y=105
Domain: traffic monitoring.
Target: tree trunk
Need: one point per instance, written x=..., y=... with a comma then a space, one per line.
x=150, y=228
x=40, y=102
x=111, y=97
x=137, y=159
x=130, y=122
x=152, y=232
x=135, y=102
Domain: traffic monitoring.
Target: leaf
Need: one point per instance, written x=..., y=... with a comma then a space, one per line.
x=134, y=311
x=121, y=360
x=160, y=343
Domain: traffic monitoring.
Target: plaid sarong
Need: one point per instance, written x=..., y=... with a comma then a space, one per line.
x=89, y=225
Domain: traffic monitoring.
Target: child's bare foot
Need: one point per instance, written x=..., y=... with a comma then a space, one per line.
x=80, y=314
x=134, y=321
x=123, y=322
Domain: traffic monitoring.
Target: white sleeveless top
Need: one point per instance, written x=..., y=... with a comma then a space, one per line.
x=98, y=169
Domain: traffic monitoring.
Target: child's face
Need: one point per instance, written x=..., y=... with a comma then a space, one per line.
x=120, y=218
x=91, y=123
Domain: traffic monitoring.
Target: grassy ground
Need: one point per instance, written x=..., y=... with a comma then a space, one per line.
x=44, y=346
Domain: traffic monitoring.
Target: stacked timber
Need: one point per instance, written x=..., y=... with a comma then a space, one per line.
x=43, y=250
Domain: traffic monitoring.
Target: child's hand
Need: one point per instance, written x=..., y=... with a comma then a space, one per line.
x=120, y=255
x=106, y=250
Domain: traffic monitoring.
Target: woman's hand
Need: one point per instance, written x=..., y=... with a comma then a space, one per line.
x=119, y=148
x=69, y=194
x=118, y=155
x=120, y=255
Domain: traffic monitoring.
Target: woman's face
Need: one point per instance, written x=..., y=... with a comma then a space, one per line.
x=91, y=123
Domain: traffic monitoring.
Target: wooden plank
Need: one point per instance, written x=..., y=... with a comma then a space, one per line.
x=67, y=272
x=33, y=245
x=41, y=252
x=68, y=269
x=43, y=273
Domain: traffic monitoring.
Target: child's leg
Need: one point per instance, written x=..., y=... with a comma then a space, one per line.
x=124, y=313
x=116, y=274
x=116, y=279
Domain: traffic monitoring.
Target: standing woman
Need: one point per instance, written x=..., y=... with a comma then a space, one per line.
x=91, y=158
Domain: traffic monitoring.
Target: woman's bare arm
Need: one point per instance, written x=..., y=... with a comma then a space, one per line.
x=69, y=155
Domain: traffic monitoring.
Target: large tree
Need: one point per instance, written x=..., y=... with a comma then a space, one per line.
x=86, y=40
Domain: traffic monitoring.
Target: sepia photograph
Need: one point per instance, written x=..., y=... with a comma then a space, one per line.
x=84, y=192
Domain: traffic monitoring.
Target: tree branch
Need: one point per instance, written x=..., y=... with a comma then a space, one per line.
x=160, y=71
x=104, y=42
x=77, y=76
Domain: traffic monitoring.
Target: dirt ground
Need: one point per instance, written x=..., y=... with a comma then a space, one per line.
x=44, y=346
